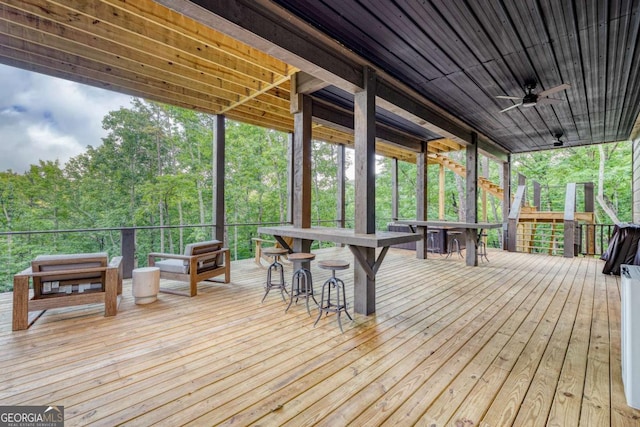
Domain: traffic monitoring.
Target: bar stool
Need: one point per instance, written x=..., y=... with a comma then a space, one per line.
x=301, y=283
x=431, y=241
x=339, y=303
x=454, y=242
x=276, y=268
x=482, y=247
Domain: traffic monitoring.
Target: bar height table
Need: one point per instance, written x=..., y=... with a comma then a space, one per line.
x=362, y=246
x=473, y=232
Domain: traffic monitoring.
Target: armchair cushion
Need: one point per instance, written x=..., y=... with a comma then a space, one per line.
x=201, y=261
x=173, y=266
x=48, y=263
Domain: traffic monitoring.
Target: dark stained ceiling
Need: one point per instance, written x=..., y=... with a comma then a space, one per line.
x=462, y=54
x=439, y=63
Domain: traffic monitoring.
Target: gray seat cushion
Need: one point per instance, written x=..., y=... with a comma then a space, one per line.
x=199, y=248
x=173, y=266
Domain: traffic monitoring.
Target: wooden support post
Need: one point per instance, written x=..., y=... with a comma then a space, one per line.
x=290, y=173
x=218, y=213
x=302, y=164
x=441, y=192
x=537, y=193
x=471, y=214
x=340, y=202
x=20, y=302
x=364, y=136
x=569, y=221
x=421, y=200
x=394, y=189
x=128, y=251
x=485, y=175
x=589, y=204
x=506, y=200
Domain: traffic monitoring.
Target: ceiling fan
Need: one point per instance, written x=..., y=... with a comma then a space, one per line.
x=531, y=99
x=558, y=142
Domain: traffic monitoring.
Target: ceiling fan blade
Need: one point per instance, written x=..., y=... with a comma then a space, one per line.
x=554, y=90
x=509, y=97
x=512, y=107
x=548, y=101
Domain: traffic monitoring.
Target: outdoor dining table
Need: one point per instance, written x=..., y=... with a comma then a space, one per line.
x=358, y=243
x=420, y=228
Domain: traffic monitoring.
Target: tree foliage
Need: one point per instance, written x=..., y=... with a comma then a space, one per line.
x=154, y=168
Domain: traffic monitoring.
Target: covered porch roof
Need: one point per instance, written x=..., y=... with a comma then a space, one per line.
x=440, y=64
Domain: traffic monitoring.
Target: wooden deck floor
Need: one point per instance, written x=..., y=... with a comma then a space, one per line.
x=522, y=340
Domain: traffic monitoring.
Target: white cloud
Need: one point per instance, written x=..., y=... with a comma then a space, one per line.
x=45, y=118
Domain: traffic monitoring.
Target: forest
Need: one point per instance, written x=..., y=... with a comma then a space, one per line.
x=153, y=171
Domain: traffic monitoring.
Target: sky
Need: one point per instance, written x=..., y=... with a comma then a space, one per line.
x=45, y=118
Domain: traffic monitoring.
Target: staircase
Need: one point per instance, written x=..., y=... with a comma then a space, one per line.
x=534, y=231
x=490, y=187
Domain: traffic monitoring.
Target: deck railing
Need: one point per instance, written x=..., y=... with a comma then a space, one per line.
x=593, y=239
x=19, y=248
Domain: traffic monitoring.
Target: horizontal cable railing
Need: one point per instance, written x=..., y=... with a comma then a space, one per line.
x=19, y=248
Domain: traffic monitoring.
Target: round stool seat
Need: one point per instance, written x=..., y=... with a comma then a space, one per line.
x=333, y=264
x=274, y=251
x=301, y=256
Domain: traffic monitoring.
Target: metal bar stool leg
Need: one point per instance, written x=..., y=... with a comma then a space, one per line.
x=302, y=281
x=278, y=269
x=339, y=304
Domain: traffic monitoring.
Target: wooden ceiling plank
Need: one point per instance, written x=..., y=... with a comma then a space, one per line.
x=205, y=37
x=100, y=18
x=51, y=34
x=255, y=94
x=97, y=34
x=27, y=51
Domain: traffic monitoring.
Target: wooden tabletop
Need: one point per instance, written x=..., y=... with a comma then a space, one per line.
x=450, y=224
x=345, y=236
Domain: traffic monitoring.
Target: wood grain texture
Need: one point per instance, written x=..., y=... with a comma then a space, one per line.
x=523, y=340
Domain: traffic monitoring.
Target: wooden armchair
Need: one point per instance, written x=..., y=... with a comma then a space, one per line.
x=66, y=280
x=259, y=256
x=200, y=262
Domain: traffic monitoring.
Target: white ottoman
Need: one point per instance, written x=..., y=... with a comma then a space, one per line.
x=146, y=284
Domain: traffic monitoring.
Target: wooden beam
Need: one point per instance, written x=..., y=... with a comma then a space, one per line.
x=291, y=167
x=306, y=83
x=506, y=200
x=471, y=214
x=364, y=125
x=271, y=29
x=394, y=189
x=255, y=94
x=365, y=190
x=324, y=112
x=441, y=192
x=218, y=212
x=421, y=200
x=302, y=165
x=341, y=178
